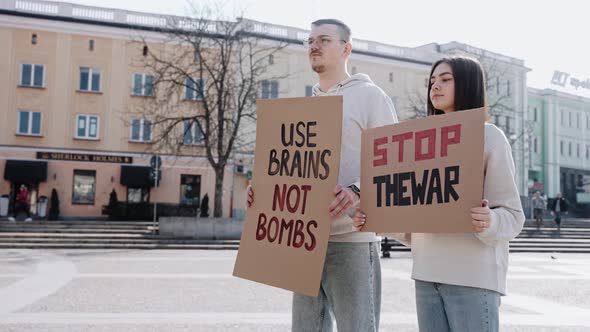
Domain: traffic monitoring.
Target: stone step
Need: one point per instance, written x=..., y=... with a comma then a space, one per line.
x=126, y=246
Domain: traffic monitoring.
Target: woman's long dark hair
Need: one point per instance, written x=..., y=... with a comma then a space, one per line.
x=469, y=77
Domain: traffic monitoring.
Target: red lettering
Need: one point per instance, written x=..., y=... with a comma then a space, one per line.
x=260, y=230
x=286, y=226
x=400, y=138
x=277, y=197
x=305, y=189
x=298, y=236
x=430, y=135
x=446, y=140
x=311, y=246
x=379, y=152
x=293, y=208
x=273, y=221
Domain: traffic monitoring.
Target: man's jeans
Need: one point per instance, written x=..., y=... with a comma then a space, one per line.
x=350, y=291
x=443, y=308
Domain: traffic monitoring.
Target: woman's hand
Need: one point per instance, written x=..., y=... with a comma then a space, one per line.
x=480, y=217
x=359, y=219
x=249, y=197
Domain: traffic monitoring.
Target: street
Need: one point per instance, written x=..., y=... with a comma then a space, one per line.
x=193, y=290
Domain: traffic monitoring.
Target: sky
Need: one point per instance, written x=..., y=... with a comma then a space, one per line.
x=547, y=35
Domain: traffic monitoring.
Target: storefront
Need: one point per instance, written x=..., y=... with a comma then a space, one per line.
x=85, y=181
x=25, y=173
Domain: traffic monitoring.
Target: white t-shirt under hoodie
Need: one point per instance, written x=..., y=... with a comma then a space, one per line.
x=365, y=106
x=476, y=259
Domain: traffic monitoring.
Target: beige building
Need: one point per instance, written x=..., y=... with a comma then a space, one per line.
x=72, y=84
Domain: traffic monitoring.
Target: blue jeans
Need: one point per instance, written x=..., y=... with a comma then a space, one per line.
x=350, y=292
x=443, y=307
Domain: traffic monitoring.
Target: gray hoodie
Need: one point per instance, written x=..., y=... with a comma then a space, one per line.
x=365, y=106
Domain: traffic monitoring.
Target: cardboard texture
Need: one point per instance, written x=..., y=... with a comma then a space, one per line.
x=423, y=175
x=297, y=159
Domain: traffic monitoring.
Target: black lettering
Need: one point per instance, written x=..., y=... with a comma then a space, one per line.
x=311, y=134
x=325, y=164
x=380, y=181
x=434, y=187
x=284, y=161
x=273, y=161
x=300, y=134
x=419, y=188
x=404, y=201
x=283, y=136
x=449, y=190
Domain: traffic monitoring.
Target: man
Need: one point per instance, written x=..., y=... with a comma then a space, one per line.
x=351, y=281
x=22, y=203
x=539, y=208
x=559, y=206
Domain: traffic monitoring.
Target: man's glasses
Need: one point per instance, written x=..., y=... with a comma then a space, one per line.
x=322, y=41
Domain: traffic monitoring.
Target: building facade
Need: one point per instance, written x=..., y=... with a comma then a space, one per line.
x=72, y=86
x=560, y=150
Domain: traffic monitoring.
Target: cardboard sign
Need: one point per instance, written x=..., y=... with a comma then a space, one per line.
x=423, y=175
x=297, y=159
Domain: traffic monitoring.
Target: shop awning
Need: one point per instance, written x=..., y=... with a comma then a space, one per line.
x=136, y=176
x=25, y=171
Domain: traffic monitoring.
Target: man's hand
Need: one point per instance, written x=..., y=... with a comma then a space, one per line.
x=480, y=217
x=345, y=199
x=249, y=197
x=359, y=219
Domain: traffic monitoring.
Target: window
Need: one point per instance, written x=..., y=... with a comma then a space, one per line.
x=91, y=45
x=138, y=195
x=194, y=89
x=32, y=75
x=34, y=39
x=270, y=89
x=587, y=152
x=271, y=59
x=508, y=125
x=561, y=148
x=29, y=123
x=570, y=149
x=193, y=135
x=89, y=79
x=569, y=114
x=87, y=126
x=498, y=85
x=536, y=145
x=578, y=150
x=587, y=122
x=308, y=90
x=426, y=82
x=144, y=52
x=508, y=88
x=390, y=77
x=143, y=84
x=190, y=189
x=497, y=120
x=141, y=130
x=535, y=115
x=84, y=187
x=578, y=120
x=562, y=118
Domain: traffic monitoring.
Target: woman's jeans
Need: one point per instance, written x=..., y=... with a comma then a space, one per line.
x=350, y=291
x=443, y=307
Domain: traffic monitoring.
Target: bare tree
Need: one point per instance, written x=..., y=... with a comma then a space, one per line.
x=206, y=76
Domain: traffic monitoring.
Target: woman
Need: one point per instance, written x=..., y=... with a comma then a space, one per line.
x=459, y=278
